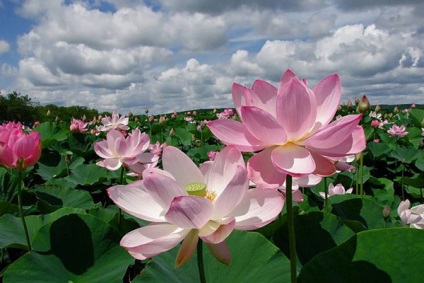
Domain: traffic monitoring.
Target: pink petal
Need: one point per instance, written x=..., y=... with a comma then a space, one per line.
x=153, y=239
x=296, y=109
x=258, y=208
x=323, y=165
x=215, y=234
x=161, y=188
x=294, y=160
x=264, y=96
x=221, y=252
x=223, y=169
x=287, y=76
x=112, y=164
x=111, y=137
x=137, y=202
x=102, y=150
x=189, y=211
x=328, y=93
x=187, y=248
x=263, y=172
x=335, y=133
x=240, y=95
x=181, y=166
x=235, y=133
x=307, y=181
x=263, y=126
x=232, y=194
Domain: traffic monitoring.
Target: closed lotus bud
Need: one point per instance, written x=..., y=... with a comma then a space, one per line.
x=422, y=123
x=349, y=103
x=386, y=211
x=151, y=118
x=172, y=132
x=130, y=114
x=364, y=105
x=377, y=108
x=146, y=111
x=396, y=109
x=413, y=105
x=84, y=117
x=48, y=112
x=162, y=119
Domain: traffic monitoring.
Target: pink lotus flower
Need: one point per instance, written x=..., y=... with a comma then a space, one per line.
x=336, y=190
x=414, y=217
x=396, y=130
x=17, y=148
x=78, y=126
x=212, y=155
x=118, y=150
x=375, y=123
x=291, y=128
x=115, y=122
x=185, y=203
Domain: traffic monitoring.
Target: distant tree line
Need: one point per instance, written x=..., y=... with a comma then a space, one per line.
x=17, y=107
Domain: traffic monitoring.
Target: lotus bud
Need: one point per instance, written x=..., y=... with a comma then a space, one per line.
x=349, y=103
x=413, y=105
x=172, y=132
x=422, y=123
x=48, y=112
x=151, y=118
x=363, y=105
x=162, y=119
x=146, y=111
x=386, y=211
x=377, y=108
x=396, y=109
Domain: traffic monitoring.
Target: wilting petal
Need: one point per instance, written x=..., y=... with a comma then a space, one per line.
x=293, y=160
x=216, y=233
x=223, y=169
x=189, y=211
x=137, y=202
x=187, y=248
x=263, y=126
x=232, y=194
x=258, y=208
x=262, y=172
x=161, y=187
x=180, y=166
x=235, y=133
x=153, y=239
x=221, y=252
x=328, y=93
x=296, y=109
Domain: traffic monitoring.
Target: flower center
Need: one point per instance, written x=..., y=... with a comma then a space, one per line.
x=196, y=189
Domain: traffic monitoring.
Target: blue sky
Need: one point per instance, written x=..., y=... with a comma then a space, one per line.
x=168, y=55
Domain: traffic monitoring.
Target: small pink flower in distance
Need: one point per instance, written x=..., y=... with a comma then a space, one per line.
x=396, y=130
x=375, y=123
x=115, y=122
x=36, y=123
x=414, y=217
x=156, y=148
x=78, y=126
x=18, y=149
x=290, y=127
x=185, y=203
x=336, y=190
x=413, y=105
x=376, y=140
x=212, y=155
x=118, y=150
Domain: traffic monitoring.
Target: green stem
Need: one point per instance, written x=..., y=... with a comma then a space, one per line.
x=326, y=195
x=200, y=264
x=361, y=161
x=21, y=212
x=290, y=223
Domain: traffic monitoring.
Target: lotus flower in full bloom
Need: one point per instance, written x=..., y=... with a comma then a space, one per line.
x=291, y=128
x=336, y=190
x=115, y=122
x=414, y=216
x=396, y=130
x=185, y=203
x=118, y=150
x=17, y=148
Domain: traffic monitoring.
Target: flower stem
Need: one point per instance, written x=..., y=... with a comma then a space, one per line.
x=326, y=195
x=361, y=165
x=21, y=212
x=200, y=264
x=290, y=223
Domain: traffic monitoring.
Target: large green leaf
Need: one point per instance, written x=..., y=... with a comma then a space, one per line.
x=254, y=259
x=378, y=149
x=8, y=185
x=382, y=255
x=315, y=232
x=87, y=174
x=50, y=132
x=74, y=248
x=417, y=116
x=58, y=196
x=364, y=209
x=12, y=232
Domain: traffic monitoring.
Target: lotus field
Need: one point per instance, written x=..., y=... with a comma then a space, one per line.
x=290, y=185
